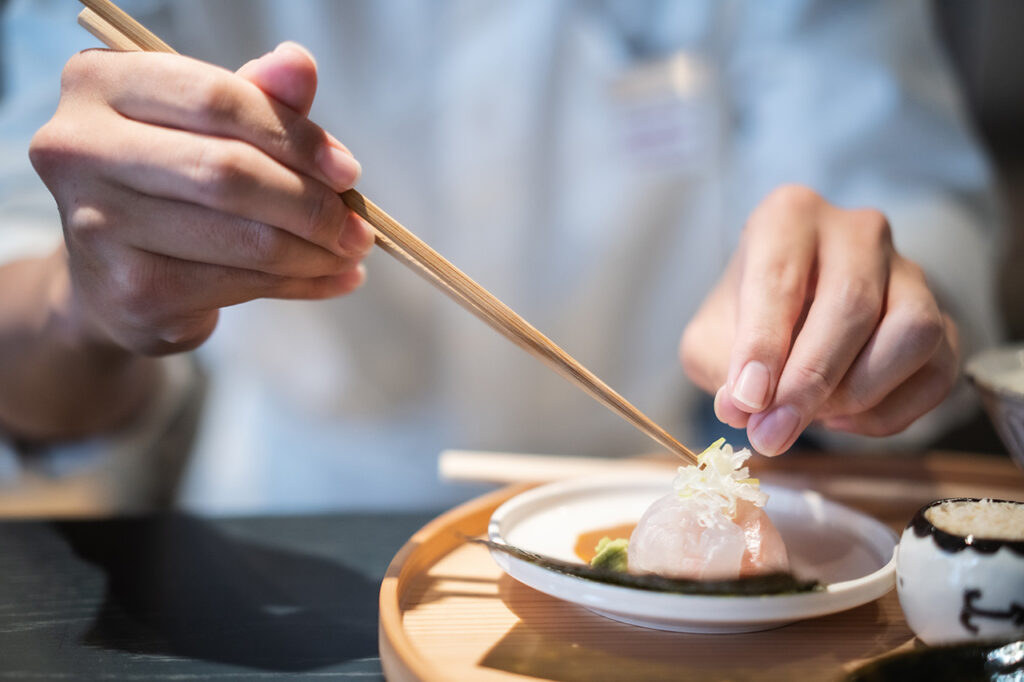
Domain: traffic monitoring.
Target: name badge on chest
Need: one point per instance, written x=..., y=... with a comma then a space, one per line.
x=669, y=115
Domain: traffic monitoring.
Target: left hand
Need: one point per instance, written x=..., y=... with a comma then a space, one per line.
x=818, y=318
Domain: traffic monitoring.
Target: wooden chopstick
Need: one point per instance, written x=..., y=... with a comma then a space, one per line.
x=120, y=31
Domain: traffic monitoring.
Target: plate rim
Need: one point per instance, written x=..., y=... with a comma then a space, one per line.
x=774, y=609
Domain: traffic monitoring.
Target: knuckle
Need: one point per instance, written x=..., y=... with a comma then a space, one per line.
x=784, y=279
x=876, y=424
x=317, y=213
x=269, y=250
x=79, y=69
x=141, y=291
x=922, y=324
x=913, y=271
x=219, y=172
x=213, y=97
x=873, y=226
x=880, y=424
x=276, y=252
x=860, y=302
x=186, y=333
x=852, y=399
x=933, y=382
x=56, y=147
x=815, y=383
x=940, y=377
x=87, y=225
x=295, y=134
x=765, y=339
x=793, y=199
x=134, y=293
x=47, y=149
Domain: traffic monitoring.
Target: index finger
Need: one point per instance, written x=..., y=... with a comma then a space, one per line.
x=180, y=92
x=779, y=244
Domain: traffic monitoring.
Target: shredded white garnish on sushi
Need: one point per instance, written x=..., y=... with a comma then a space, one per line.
x=718, y=482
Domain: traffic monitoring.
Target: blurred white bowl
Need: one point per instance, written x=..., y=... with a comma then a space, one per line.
x=998, y=376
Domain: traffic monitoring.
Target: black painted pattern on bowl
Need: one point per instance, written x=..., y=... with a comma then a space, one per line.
x=949, y=542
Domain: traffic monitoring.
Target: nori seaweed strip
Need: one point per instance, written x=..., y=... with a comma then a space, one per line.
x=756, y=585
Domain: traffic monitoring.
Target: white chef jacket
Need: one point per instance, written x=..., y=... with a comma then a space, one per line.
x=590, y=163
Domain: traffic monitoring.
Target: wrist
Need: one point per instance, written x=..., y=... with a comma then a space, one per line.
x=67, y=318
x=61, y=376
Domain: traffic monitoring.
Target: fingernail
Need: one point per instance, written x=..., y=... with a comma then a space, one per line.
x=356, y=236
x=751, y=387
x=776, y=429
x=341, y=169
x=249, y=64
x=719, y=397
x=838, y=424
x=361, y=269
x=335, y=142
x=291, y=46
x=727, y=412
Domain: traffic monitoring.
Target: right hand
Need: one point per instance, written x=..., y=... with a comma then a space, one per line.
x=184, y=188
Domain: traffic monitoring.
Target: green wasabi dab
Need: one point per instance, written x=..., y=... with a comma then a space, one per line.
x=611, y=554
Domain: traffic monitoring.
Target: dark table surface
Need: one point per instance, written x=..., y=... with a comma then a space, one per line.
x=179, y=597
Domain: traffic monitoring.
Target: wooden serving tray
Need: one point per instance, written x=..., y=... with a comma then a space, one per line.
x=447, y=612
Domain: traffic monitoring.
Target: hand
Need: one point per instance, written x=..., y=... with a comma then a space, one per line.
x=818, y=318
x=184, y=188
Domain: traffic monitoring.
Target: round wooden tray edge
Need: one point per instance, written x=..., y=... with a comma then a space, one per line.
x=400, y=660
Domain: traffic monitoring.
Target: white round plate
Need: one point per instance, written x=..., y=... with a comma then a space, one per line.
x=851, y=554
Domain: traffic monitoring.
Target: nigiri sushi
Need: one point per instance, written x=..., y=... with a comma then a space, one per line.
x=712, y=526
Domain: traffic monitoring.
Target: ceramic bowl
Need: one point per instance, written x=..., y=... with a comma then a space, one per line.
x=960, y=587
x=998, y=376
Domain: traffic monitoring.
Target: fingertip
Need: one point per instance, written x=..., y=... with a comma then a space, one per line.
x=346, y=282
x=288, y=74
x=727, y=412
x=335, y=142
x=356, y=277
x=772, y=433
x=719, y=409
x=290, y=46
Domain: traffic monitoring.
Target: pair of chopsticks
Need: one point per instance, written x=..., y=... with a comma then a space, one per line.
x=120, y=31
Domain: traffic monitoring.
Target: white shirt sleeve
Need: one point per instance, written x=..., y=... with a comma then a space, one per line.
x=131, y=470
x=857, y=100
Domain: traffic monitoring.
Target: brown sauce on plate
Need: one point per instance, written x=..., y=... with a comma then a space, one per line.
x=586, y=542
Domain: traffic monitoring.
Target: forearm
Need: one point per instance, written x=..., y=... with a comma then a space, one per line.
x=58, y=381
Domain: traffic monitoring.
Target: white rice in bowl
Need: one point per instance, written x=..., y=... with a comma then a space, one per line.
x=989, y=519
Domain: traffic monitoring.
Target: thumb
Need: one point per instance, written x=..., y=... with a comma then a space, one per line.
x=288, y=74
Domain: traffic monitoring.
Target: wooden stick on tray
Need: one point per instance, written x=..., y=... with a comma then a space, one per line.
x=119, y=31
